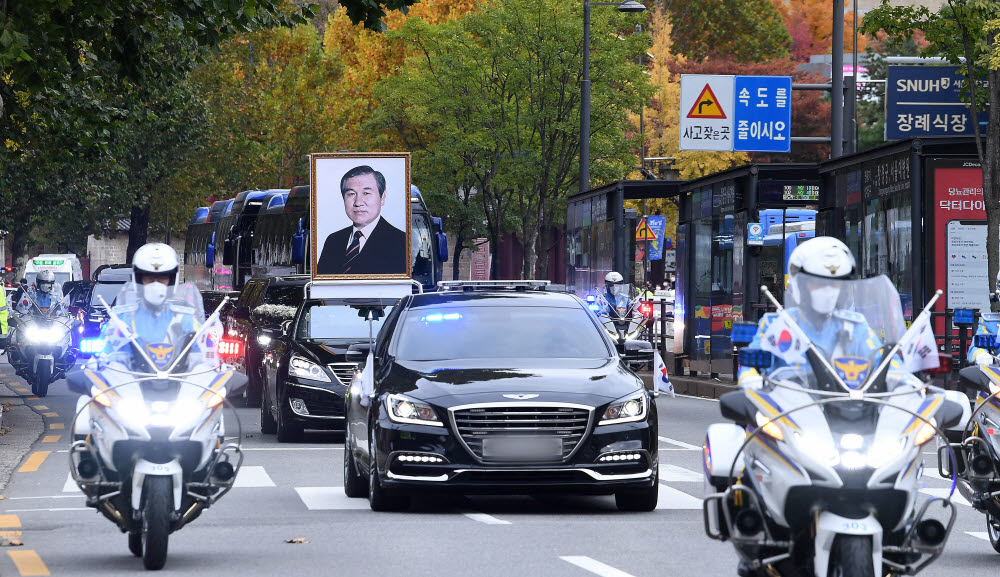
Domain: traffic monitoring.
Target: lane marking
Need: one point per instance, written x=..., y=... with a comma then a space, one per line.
x=44, y=497
x=51, y=510
x=488, y=519
x=943, y=493
x=50, y=414
x=28, y=563
x=675, y=474
x=70, y=485
x=595, y=566
x=680, y=444
x=57, y=426
x=32, y=398
x=51, y=438
x=248, y=476
x=40, y=407
x=329, y=498
x=670, y=498
x=33, y=462
x=979, y=535
x=10, y=527
x=339, y=447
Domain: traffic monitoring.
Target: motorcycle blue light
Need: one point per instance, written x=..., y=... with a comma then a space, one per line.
x=594, y=307
x=591, y=298
x=91, y=346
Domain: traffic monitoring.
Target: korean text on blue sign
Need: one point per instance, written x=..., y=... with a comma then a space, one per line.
x=658, y=224
x=926, y=101
x=763, y=115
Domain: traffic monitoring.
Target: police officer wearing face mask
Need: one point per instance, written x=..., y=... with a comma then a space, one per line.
x=813, y=268
x=988, y=325
x=40, y=298
x=158, y=324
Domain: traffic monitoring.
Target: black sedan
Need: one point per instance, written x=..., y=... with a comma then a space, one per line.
x=306, y=372
x=491, y=391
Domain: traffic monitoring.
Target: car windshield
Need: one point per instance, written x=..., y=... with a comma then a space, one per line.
x=459, y=332
x=109, y=291
x=287, y=295
x=337, y=322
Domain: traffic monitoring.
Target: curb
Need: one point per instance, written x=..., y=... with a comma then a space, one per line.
x=26, y=427
x=693, y=386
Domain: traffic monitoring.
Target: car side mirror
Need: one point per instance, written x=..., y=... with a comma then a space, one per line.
x=78, y=382
x=286, y=328
x=949, y=415
x=735, y=406
x=358, y=353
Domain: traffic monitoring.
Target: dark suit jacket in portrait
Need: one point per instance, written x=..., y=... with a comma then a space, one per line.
x=384, y=252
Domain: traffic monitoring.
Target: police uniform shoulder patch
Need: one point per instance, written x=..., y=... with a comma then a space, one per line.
x=850, y=316
x=991, y=317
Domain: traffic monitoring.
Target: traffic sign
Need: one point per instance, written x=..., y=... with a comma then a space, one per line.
x=926, y=101
x=658, y=224
x=706, y=112
x=755, y=234
x=643, y=232
x=763, y=113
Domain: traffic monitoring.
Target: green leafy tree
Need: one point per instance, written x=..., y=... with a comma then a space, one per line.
x=967, y=33
x=745, y=30
x=499, y=90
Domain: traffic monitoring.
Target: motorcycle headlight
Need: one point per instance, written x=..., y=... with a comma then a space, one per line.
x=305, y=369
x=627, y=409
x=49, y=335
x=881, y=454
x=819, y=448
x=406, y=410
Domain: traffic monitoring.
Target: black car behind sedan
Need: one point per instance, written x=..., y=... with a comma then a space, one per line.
x=497, y=391
x=306, y=371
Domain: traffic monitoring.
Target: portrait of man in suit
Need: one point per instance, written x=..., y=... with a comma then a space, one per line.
x=370, y=245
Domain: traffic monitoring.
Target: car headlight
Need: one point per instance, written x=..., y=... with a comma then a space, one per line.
x=406, y=410
x=305, y=369
x=627, y=409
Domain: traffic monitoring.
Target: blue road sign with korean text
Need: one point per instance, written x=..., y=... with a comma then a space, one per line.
x=926, y=101
x=763, y=113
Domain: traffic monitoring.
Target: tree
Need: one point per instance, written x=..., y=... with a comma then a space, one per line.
x=810, y=26
x=499, y=89
x=967, y=33
x=746, y=30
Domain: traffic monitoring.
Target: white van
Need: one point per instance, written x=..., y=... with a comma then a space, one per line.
x=65, y=266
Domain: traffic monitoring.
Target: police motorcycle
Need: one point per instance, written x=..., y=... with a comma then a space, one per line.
x=618, y=310
x=40, y=346
x=819, y=475
x=978, y=448
x=150, y=450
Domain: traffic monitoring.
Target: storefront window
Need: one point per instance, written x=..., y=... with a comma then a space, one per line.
x=722, y=286
x=702, y=282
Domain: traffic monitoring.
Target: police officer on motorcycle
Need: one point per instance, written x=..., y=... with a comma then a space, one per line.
x=820, y=313
x=44, y=294
x=988, y=324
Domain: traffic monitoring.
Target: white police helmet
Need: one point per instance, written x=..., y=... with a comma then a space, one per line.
x=155, y=261
x=45, y=281
x=819, y=258
x=613, y=278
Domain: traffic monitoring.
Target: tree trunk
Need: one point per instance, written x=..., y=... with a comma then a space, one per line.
x=459, y=240
x=137, y=231
x=530, y=249
x=991, y=171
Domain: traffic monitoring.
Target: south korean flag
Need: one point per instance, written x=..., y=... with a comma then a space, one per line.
x=661, y=382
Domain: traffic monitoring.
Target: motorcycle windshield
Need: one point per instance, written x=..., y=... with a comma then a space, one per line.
x=163, y=333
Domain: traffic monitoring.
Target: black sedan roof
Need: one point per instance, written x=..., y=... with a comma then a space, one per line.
x=497, y=298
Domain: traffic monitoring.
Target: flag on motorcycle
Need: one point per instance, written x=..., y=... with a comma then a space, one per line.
x=783, y=339
x=367, y=380
x=918, y=346
x=661, y=382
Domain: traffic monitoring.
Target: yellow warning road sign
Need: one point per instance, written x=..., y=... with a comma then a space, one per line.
x=643, y=232
x=706, y=105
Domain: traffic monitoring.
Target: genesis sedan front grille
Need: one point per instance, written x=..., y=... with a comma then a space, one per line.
x=344, y=372
x=533, y=426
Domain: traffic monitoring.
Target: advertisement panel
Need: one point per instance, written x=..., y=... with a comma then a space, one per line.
x=959, y=233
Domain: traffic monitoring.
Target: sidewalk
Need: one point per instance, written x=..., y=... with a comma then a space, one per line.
x=22, y=424
x=700, y=386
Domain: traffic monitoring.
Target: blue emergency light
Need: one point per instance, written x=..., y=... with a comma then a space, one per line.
x=985, y=341
x=743, y=333
x=594, y=307
x=91, y=346
x=591, y=298
x=438, y=317
x=756, y=358
x=964, y=317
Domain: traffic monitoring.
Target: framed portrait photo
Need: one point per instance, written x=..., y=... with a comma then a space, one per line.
x=360, y=215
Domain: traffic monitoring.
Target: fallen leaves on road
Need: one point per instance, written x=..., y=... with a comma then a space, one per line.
x=297, y=540
x=6, y=406
x=10, y=542
x=5, y=429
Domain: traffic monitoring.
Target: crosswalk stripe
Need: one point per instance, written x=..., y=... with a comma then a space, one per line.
x=675, y=474
x=594, y=566
x=329, y=498
x=670, y=498
x=487, y=519
x=70, y=485
x=978, y=535
x=252, y=476
x=681, y=444
x=943, y=494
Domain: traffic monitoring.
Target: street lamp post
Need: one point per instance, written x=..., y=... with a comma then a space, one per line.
x=626, y=6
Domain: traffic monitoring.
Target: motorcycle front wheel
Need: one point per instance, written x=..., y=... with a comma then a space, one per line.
x=851, y=556
x=993, y=530
x=42, y=378
x=159, y=503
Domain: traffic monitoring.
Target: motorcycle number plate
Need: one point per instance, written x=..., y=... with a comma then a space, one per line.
x=522, y=448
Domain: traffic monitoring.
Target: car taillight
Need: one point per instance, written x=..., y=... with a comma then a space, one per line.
x=229, y=349
x=646, y=309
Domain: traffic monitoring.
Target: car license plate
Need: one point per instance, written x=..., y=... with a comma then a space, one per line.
x=522, y=448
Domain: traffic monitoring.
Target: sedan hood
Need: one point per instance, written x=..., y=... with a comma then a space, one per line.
x=587, y=381
x=329, y=351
